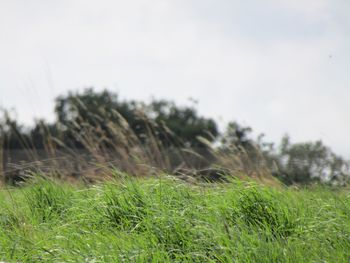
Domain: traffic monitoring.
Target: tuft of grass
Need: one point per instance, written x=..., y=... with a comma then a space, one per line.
x=262, y=209
x=47, y=199
x=124, y=207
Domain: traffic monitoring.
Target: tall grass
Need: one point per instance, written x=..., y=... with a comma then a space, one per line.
x=107, y=141
x=166, y=220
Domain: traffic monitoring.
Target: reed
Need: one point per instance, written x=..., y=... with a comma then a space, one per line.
x=104, y=140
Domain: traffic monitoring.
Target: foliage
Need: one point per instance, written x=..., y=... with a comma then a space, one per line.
x=237, y=136
x=147, y=138
x=95, y=107
x=309, y=162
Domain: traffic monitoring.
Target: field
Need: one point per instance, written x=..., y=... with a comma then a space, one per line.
x=167, y=220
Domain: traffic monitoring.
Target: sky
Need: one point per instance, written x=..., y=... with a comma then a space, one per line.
x=279, y=66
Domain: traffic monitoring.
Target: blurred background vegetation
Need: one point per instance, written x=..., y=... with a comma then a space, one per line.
x=97, y=130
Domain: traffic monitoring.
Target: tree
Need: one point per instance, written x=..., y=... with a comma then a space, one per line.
x=310, y=162
x=184, y=122
x=237, y=136
x=96, y=108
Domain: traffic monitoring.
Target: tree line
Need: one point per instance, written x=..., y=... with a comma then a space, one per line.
x=85, y=119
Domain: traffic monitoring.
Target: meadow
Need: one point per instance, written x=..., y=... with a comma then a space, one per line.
x=124, y=181
x=164, y=219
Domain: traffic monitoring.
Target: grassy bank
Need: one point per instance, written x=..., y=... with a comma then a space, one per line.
x=160, y=220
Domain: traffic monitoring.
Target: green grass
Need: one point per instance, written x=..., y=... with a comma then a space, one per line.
x=164, y=220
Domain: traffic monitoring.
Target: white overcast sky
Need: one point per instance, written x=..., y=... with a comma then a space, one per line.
x=279, y=66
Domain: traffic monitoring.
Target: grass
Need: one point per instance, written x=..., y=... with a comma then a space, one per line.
x=165, y=220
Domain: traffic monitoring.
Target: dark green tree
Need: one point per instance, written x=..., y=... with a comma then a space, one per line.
x=97, y=107
x=184, y=122
x=237, y=136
